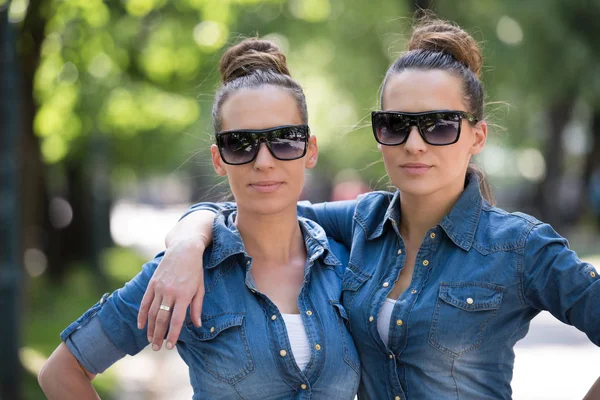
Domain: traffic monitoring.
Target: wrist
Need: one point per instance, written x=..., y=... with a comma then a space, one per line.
x=196, y=243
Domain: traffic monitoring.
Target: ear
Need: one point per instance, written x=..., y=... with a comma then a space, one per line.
x=217, y=161
x=480, y=137
x=312, y=152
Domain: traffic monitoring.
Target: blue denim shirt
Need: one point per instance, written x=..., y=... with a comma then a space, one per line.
x=242, y=350
x=480, y=276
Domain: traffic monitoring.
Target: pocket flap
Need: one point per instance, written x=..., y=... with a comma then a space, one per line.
x=472, y=296
x=354, y=277
x=212, y=325
x=337, y=305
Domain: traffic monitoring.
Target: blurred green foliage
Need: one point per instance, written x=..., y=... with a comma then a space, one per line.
x=143, y=72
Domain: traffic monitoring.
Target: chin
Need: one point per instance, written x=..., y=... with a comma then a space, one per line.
x=269, y=205
x=416, y=187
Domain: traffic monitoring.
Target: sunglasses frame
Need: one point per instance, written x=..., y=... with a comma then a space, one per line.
x=262, y=136
x=415, y=118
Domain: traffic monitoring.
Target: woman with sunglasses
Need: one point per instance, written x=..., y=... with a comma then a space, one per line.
x=272, y=323
x=440, y=284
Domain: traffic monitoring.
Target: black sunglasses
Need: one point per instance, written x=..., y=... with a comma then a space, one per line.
x=241, y=146
x=437, y=128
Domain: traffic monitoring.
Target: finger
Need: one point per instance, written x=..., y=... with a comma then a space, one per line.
x=162, y=323
x=145, y=305
x=196, y=307
x=154, y=308
x=177, y=319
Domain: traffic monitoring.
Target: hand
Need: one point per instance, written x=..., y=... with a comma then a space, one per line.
x=177, y=282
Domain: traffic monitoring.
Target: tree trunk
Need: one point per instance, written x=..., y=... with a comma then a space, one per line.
x=592, y=170
x=547, y=197
x=11, y=272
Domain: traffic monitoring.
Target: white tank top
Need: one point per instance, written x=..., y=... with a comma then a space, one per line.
x=383, y=321
x=298, y=339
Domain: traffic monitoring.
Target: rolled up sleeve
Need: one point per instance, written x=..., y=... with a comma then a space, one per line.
x=108, y=330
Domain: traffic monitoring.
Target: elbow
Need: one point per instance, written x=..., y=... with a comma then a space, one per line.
x=44, y=376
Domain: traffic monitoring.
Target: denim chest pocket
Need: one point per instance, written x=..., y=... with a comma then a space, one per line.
x=223, y=346
x=462, y=314
x=348, y=347
x=354, y=278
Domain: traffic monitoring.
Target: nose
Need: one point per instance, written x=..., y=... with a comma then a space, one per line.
x=414, y=143
x=264, y=158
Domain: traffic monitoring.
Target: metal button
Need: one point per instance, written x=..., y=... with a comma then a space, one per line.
x=432, y=235
x=399, y=322
x=593, y=274
x=283, y=353
x=399, y=251
x=248, y=262
x=413, y=291
x=386, y=284
x=212, y=329
x=318, y=346
x=253, y=291
x=273, y=317
x=397, y=398
x=309, y=313
x=470, y=300
x=425, y=263
x=303, y=386
x=371, y=318
x=391, y=356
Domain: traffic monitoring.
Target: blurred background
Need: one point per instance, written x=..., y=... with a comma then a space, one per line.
x=105, y=132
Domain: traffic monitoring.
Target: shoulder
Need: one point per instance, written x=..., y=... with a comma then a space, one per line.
x=372, y=206
x=502, y=230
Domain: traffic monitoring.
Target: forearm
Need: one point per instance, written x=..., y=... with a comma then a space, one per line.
x=594, y=392
x=194, y=229
x=63, y=378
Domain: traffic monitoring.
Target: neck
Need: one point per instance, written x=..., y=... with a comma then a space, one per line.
x=275, y=238
x=421, y=213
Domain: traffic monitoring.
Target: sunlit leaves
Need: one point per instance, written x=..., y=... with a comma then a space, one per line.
x=140, y=8
x=311, y=10
x=210, y=35
x=133, y=110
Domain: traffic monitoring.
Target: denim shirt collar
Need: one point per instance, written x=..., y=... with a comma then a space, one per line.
x=460, y=224
x=227, y=241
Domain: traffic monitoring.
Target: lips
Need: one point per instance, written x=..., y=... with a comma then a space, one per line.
x=415, y=168
x=266, y=186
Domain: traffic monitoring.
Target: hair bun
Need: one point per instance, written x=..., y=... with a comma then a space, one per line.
x=252, y=55
x=433, y=34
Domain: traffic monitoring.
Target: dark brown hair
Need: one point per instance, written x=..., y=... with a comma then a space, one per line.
x=436, y=44
x=253, y=63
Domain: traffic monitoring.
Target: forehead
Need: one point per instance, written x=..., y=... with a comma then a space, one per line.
x=260, y=108
x=417, y=91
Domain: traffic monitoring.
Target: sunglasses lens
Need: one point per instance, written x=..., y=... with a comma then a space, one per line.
x=237, y=147
x=390, y=129
x=440, y=128
x=288, y=143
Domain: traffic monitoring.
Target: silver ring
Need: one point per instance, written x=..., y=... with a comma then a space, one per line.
x=165, y=308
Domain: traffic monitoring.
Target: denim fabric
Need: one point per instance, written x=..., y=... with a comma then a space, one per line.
x=242, y=350
x=480, y=276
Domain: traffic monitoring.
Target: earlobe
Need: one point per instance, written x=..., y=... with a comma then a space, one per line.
x=480, y=131
x=312, y=153
x=217, y=161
